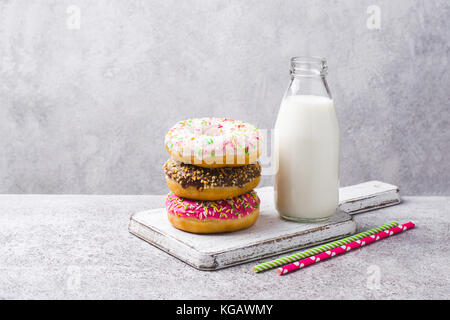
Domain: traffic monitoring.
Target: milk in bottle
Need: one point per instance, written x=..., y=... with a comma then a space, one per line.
x=307, y=145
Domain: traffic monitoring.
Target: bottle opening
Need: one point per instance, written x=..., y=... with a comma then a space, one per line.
x=308, y=66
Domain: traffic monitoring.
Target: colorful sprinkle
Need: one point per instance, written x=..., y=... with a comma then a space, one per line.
x=221, y=209
x=222, y=136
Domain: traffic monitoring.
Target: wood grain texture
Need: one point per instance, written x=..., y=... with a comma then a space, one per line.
x=367, y=196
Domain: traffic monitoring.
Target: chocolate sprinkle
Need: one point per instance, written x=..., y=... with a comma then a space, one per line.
x=188, y=175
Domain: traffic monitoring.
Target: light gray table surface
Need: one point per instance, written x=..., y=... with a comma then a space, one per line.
x=79, y=247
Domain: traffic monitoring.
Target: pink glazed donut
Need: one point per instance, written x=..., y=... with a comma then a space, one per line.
x=198, y=216
x=214, y=142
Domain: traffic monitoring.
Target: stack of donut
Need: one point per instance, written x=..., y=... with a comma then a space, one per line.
x=211, y=172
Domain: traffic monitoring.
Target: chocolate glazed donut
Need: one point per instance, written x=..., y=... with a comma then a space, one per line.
x=198, y=183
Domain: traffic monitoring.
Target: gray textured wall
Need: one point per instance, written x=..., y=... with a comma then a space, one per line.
x=85, y=110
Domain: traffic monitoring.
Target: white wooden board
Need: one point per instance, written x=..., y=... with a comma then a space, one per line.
x=269, y=236
x=368, y=196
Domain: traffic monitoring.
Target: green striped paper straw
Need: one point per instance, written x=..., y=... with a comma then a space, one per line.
x=307, y=253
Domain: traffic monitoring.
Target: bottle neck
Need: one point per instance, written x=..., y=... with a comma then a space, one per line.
x=305, y=66
x=308, y=77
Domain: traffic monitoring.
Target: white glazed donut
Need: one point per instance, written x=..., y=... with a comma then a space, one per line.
x=214, y=142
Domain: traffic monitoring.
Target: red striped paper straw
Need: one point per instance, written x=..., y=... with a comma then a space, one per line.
x=342, y=249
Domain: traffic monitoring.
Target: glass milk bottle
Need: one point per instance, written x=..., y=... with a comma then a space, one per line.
x=307, y=145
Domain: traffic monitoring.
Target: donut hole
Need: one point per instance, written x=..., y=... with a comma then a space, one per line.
x=202, y=127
